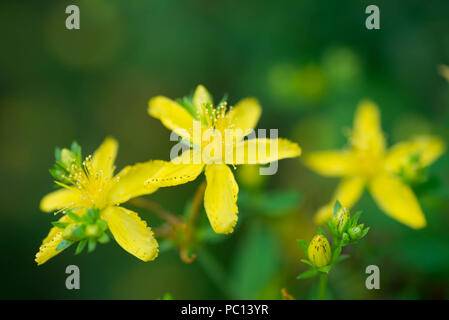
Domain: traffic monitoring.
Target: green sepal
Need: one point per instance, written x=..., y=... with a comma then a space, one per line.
x=104, y=238
x=325, y=269
x=73, y=216
x=91, y=245
x=307, y=262
x=308, y=274
x=102, y=224
x=81, y=246
x=321, y=232
x=60, y=225
x=92, y=215
x=64, y=244
x=76, y=149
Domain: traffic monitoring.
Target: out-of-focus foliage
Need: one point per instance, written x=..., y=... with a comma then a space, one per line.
x=308, y=62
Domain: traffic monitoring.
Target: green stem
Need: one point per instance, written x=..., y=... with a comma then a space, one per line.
x=322, y=286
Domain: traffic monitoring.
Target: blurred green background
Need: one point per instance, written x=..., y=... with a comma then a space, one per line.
x=308, y=62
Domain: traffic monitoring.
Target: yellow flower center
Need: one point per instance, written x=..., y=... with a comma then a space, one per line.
x=92, y=184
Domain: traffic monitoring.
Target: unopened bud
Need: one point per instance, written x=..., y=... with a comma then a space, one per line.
x=340, y=219
x=319, y=251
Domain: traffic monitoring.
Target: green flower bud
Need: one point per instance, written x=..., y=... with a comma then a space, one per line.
x=319, y=251
x=67, y=158
x=74, y=232
x=355, y=232
x=93, y=231
x=341, y=218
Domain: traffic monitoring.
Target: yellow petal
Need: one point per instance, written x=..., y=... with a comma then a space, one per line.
x=104, y=158
x=180, y=170
x=220, y=198
x=59, y=199
x=429, y=148
x=262, y=151
x=367, y=133
x=201, y=97
x=332, y=163
x=348, y=192
x=397, y=200
x=243, y=117
x=172, y=115
x=131, y=233
x=131, y=181
x=48, y=247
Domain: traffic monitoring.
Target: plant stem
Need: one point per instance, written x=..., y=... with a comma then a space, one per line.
x=322, y=286
x=157, y=209
x=196, y=203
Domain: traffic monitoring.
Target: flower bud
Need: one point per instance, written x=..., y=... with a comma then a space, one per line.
x=319, y=251
x=340, y=218
x=93, y=231
x=355, y=232
x=67, y=157
x=74, y=232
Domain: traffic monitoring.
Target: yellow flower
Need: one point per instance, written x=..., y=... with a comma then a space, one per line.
x=367, y=163
x=319, y=251
x=221, y=192
x=93, y=185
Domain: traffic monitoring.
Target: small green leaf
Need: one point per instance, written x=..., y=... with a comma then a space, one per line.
x=335, y=255
x=355, y=219
x=337, y=207
x=64, y=244
x=308, y=274
x=342, y=257
x=80, y=246
x=304, y=245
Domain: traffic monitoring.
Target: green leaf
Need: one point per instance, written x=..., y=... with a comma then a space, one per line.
x=342, y=257
x=308, y=274
x=270, y=203
x=256, y=262
x=60, y=225
x=304, y=245
x=91, y=245
x=64, y=244
x=337, y=207
x=80, y=246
